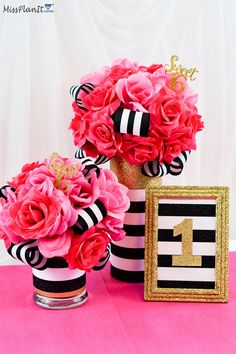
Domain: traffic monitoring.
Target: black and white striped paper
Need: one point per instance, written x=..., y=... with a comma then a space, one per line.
x=131, y=122
x=127, y=255
x=171, y=213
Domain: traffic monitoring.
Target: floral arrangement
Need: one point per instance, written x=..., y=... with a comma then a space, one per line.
x=165, y=98
x=70, y=207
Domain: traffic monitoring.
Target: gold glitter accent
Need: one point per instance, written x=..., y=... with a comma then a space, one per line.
x=185, y=228
x=151, y=290
x=131, y=175
x=177, y=73
x=60, y=170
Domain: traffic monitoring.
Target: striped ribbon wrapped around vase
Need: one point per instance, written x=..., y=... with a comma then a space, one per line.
x=127, y=255
x=55, y=285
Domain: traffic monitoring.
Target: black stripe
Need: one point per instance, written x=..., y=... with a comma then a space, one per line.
x=29, y=256
x=84, y=88
x=89, y=86
x=144, y=124
x=82, y=224
x=166, y=261
x=117, y=119
x=19, y=248
x=198, y=236
x=186, y=284
x=186, y=209
x=134, y=230
x=130, y=122
x=59, y=286
x=3, y=191
x=127, y=276
x=101, y=207
x=90, y=212
x=57, y=262
x=136, y=207
x=127, y=253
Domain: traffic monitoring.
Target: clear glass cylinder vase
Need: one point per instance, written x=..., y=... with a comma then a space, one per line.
x=58, y=287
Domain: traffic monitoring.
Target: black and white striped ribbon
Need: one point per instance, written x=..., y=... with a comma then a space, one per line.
x=87, y=162
x=3, y=191
x=103, y=261
x=28, y=253
x=79, y=154
x=90, y=216
x=77, y=89
x=154, y=169
x=131, y=122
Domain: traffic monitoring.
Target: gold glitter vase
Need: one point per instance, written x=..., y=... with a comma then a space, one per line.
x=127, y=255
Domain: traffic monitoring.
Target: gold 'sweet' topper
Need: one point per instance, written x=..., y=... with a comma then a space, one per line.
x=61, y=170
x=179, y=72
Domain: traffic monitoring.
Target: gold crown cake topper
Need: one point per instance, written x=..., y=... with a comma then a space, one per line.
x=179, y=71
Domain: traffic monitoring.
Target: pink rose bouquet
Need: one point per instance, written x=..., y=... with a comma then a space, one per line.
x=145, y=115
x=67, y=207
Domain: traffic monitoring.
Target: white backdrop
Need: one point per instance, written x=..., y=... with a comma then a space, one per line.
x=43, y=54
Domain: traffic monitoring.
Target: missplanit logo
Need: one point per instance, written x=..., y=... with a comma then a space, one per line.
x=39, y=9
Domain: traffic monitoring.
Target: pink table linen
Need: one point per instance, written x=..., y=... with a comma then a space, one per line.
x=114, y=320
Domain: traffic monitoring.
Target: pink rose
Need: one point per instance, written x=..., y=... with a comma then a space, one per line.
x=113, y=226
x=138, y=89
x=138, y=150
x=102, y=135
x=97, y=78
x=3, y=220
x=152, y=69
x=90, y=149
x=79, y=125
x=102, y=97
x=37, y=215
x=82, y=192
x=21, y=177
x=167, y=117
x=113, y=194
x=41, y=179
x=56, y=245
x=86, y=250
x=122, y=68
x=181, y=140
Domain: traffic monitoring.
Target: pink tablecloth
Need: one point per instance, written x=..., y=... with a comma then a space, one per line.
x=114, y=320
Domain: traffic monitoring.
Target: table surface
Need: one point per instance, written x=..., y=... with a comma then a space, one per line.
x=115, y=319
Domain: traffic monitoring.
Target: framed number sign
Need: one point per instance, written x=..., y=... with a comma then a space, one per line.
x=186, y=244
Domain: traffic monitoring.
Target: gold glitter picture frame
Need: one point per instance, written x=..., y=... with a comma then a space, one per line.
x=186, y=244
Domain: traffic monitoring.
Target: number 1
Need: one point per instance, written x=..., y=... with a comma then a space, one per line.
x=186, y=259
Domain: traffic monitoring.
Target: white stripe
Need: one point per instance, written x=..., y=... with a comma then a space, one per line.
x=199, y=223
x=186, y=274
x=175, y=248
x=137, y=123
x=127, y=264
x=136, y=195
x=124, y=121
x=95, y=209
x=186, y=201
x=58, y=273
x=131, y=242
x=84, y=215
x=134, y=219
x=24, y=249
